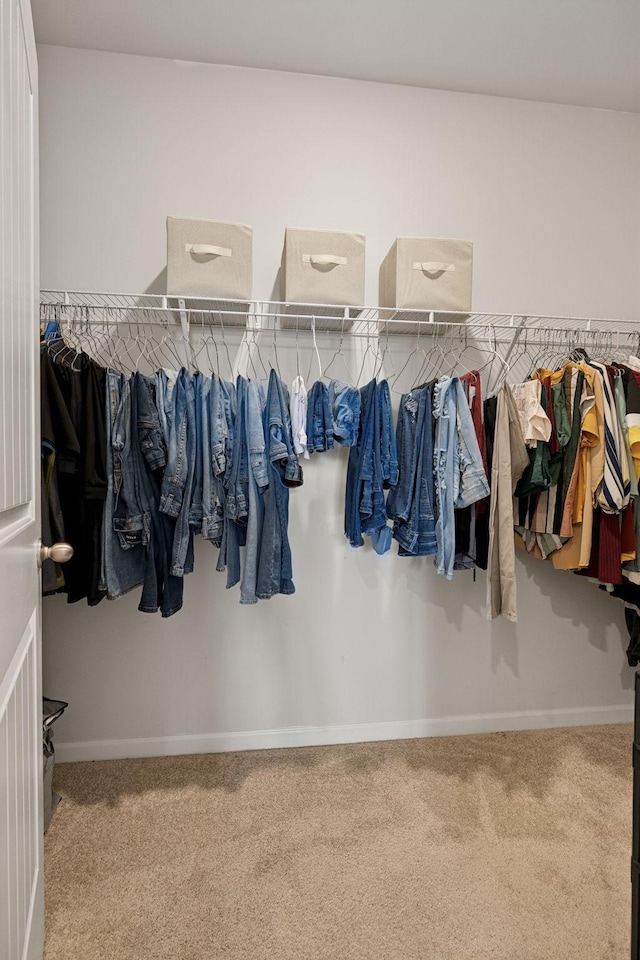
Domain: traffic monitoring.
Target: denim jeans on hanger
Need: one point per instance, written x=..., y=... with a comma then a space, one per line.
x=236, y=507
x=217, y=423
x=388, y=449
x=275, y=573
x=445, y=459
x=201, y=387
x=319, y=420
x=122, y=565
x=258, y=480
x=460, y=479
x=177, y=483
x=473, y=484
x=373, y=466
x=165, y=385
x=344, y=405
x=161, y=590
x=410, y=504
x=150, y=433
x=209, y=526
x=352, y=524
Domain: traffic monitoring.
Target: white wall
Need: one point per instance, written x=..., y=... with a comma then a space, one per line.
x=368, y=647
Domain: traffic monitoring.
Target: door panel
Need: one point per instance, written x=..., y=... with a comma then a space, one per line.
x=19, y=771
x=21, y=886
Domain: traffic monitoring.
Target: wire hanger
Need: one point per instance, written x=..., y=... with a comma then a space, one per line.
x=417, y=346
x=338, y=353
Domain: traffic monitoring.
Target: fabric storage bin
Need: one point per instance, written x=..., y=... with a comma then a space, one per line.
x=211, y=260
x=427, y=274
x=325, y=268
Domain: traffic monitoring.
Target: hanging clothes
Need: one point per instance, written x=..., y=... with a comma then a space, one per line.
x=410, y=503
x=460, y=480
x=372, y=469
x=74, y=467
x=319, y=421
x=509, y=461
x=299, y=407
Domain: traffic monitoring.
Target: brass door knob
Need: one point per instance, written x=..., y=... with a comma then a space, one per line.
x=58, y=552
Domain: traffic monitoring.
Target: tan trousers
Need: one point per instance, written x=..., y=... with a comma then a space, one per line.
x=510, y=459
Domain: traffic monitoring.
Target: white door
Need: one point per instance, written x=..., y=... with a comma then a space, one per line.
x=21, y=882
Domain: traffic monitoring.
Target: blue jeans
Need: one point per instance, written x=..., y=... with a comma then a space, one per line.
x=201, y=387
x=445, y=461
x=275, y=573
x=410, y=503
x=473, y=485
x=218, y=416
x=177, y=483
x=236, y=505
x=344, y=404
x=165, y=385
x=460, y=479
x=373, y=467
x=122, y=564
x=161, y=590
x=319, y=421
x=258, y=479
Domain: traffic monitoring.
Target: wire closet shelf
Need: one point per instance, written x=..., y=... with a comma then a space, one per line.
x=81, y=307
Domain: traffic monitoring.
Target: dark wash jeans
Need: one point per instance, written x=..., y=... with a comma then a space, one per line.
x=161, y=590
x=372, y=468
x=410, y=503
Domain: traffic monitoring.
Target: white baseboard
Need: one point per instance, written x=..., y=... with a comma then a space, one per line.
x=340, y=733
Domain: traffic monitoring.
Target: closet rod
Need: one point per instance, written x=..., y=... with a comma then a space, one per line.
x=468, y=329
x=354, y=313
x=627, y=340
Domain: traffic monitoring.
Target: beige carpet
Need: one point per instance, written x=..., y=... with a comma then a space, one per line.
x=500, y=847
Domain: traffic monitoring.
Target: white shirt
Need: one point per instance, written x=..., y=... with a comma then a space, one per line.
x=299, y=417
x=533, y=420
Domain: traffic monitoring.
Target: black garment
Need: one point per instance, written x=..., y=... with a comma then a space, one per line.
x=631, y=389
x=630, y=593
x=59, y=443
x=73, y=412
x=633, y=626
x=482, y=521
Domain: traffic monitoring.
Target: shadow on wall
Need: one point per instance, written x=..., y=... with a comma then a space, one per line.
x=159, y=285
x=566, y=598
x=528, y=763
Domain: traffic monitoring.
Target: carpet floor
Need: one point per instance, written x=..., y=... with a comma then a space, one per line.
x=491, y=847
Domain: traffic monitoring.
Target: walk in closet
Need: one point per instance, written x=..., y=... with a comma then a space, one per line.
x=321, y=336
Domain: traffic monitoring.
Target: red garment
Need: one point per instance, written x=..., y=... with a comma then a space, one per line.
x=605, y=562
x=472, y=379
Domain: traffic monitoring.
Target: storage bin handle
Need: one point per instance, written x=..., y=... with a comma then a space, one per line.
x=324, y=260
x=207, y=249
x=432, y=266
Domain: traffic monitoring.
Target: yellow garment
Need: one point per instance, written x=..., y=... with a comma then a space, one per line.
x=576, y=553
x=634, y=443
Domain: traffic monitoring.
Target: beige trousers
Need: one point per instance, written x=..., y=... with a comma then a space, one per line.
x=510, y=459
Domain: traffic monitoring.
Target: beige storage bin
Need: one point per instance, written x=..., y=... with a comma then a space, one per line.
x=326, y=268
x=426, y=274
x=211, y=260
